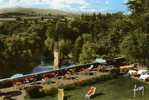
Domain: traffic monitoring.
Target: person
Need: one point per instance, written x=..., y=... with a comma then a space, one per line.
x=90, y=92
x=26, y=80
x=46, y=79
x=18, y=84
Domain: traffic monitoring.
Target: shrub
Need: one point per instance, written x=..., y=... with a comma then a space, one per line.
x=86, y=82
x=125, y=70
x=147, y=80
x=115, y=72
x=70, y=86
x=48, y=90
x=35, y=91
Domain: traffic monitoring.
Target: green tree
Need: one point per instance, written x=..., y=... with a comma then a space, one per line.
x=88, y=53
x=135, y=48
x=77, y=49
x=55, y=35
x=137, y=6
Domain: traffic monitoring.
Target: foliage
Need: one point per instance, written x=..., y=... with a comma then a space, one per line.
x=88, y=53
x=35, y=92
x=21, y=52
x=79, y=38
x=115, y=72
x=135, y=48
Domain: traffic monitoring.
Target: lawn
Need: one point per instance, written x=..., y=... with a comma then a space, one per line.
x=114, y=89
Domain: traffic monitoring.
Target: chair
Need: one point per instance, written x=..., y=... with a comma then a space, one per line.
x=90, y=92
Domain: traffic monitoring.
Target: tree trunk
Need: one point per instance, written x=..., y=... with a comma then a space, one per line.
x=56, y=53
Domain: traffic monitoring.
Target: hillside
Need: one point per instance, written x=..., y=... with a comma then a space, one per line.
x=32, y=11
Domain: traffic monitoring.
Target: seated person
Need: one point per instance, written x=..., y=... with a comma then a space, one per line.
x=45, y=79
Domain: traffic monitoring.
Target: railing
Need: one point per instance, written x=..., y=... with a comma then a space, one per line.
x=8, y=82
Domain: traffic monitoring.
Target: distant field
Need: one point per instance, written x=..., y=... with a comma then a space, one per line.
x=115, y=89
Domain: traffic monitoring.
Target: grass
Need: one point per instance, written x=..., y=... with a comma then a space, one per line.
x=114, y=89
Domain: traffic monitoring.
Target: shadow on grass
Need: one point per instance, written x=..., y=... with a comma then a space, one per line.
x=97, y=94
x=67, y=97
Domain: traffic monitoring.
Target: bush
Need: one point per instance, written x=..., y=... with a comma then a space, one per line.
x=147, y=80
x=85, y=82
x=35, y=91
x=50, y=90
x=115, y=72
x=70, y=86
x=125, y=70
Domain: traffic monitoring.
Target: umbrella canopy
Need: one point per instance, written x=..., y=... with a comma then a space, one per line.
x=16, y=76
x=67, y=66
x=101, y=61
x=41, y=69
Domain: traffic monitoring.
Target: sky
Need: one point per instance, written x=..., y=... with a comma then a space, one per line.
x=69, y=5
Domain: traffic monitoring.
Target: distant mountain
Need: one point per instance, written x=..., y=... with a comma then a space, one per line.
x=33, y=11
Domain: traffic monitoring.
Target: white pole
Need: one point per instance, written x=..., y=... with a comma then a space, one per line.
x=143, y=91
x=134, y=90
x=134, y=93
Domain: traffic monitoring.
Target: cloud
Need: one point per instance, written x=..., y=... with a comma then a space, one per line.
x=16, y=3
x=107, y=2
x=68, y=5
x=55, y=4
x=60, y=4
x=125, y=1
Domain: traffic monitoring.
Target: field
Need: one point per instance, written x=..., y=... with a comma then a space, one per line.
x=114, y=89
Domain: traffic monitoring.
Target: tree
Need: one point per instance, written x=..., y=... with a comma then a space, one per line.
x=88, y=53
x=139, y=10
x=55, y=33
x=88, y=49
x=77, y=49
x=65, y=48
x=20, y=52
x=136, y=6
x=135, y=48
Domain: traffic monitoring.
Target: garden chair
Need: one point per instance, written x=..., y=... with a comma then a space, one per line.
x=90, y=92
